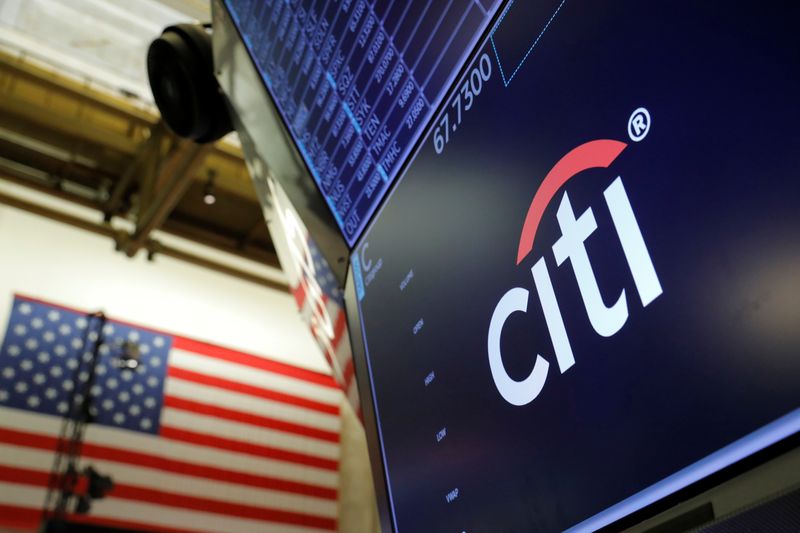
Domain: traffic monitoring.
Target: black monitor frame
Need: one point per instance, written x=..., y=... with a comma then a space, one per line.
x=368, y=418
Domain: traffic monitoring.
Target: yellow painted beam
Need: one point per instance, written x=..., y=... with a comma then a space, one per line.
x=43, y=100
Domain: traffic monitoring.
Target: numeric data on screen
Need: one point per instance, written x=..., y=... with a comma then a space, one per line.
x=356, y=81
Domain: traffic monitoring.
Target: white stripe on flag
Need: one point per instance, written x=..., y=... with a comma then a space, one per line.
x=249, y=404
x=253, y=376
x=248, y=433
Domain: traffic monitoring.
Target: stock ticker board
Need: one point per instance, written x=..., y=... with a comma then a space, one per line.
x=356, y=81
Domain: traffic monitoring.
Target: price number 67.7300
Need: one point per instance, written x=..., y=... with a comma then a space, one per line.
x=470, y=88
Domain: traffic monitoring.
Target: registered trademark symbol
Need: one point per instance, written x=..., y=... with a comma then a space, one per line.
x=639, y=124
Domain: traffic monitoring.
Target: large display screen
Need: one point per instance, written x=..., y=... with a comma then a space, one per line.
x=356, y=81
x=584, y=292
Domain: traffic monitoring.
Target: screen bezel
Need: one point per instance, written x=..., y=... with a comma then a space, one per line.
x=368, y=418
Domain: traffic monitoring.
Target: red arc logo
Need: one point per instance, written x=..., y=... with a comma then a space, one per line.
x=593, y=154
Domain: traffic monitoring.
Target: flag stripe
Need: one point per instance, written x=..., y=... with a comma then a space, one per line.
x=277, y=440
x=221, y=383
x=339, y=328
x=147, y=461
x=191, y=391
x=26, y=476
x=179, y=483
x=16, y=516
x=349, y=372
x=253, y=361
x=258, y=450
x=299, y=293
x=127, y=441
x=212, y=506
x=150, y=516
x=198, y=362
x=175, y=402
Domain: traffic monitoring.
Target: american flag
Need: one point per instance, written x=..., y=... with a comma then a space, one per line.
x=305, y=266
x=337, y=350
x=324, y=275
x=197, y=437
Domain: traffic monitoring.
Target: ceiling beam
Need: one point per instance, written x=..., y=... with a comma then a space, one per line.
x=176, y=174
x=69, y=122
x=61, y=107
x=149, y=151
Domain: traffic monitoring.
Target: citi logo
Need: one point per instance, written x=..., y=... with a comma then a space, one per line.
x=570, y=247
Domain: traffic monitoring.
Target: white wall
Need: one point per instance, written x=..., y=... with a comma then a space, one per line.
x=71, y=267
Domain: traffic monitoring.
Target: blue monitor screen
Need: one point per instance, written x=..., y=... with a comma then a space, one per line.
x=583, y=293
x=356, y=81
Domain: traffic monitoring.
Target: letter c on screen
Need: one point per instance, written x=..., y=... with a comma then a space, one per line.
x=514, y=392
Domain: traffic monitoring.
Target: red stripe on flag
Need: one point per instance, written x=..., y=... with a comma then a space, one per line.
x=299, y=293
x=238, y=446
x=339, y=328
x=143, y=460
x=253, y=361
x=25, y=476
x=249, y=418
x=13, y=516
x=25, y=518
x=349, y=372
x=325, y=346
x=243, y=388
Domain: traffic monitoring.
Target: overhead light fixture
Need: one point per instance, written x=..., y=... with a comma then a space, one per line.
x=209, y=197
